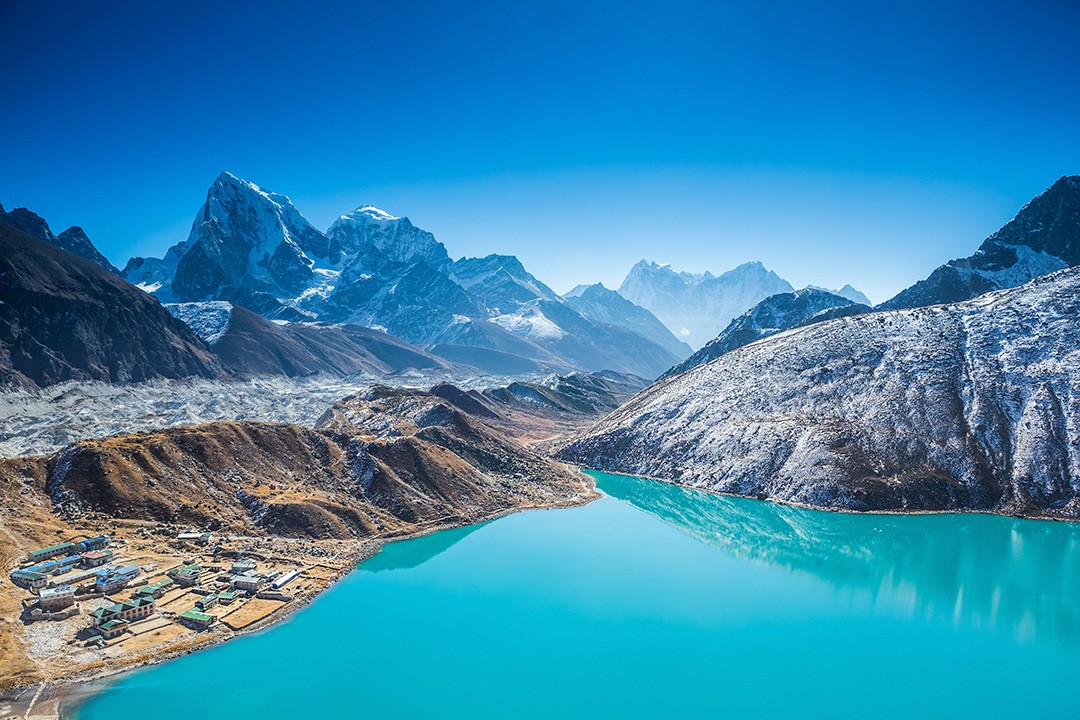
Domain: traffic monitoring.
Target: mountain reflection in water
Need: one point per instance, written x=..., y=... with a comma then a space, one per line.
x=1008, y=575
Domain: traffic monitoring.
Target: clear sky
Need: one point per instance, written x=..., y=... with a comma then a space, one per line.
x=835, y=141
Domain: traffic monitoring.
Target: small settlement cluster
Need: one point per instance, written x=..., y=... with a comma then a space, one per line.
x=62, y=575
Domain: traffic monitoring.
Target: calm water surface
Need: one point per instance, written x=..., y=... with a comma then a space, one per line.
x=662, y=602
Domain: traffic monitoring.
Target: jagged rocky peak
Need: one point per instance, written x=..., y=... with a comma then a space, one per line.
x=74, y=240
x=30, y=223
x=697, y=306
x=395, y=237
x=247, y=237
x=1048, y=224
x=1042, y=238
x=773, y=315
x=501, y=282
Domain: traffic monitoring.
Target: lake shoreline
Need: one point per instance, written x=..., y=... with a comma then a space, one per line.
x=61, y=699
x=843, y=511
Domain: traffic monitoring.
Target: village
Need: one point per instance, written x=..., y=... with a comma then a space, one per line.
x=97, y=598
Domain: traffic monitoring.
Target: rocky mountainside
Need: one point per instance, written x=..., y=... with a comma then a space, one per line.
x=969, y=406
x=772, y=315
x=697, y=307
x=66, y=318
x=249, y=344
x=543, y=414
x=601, y=305
x=386, y=462
x=251, y=247
x=1043, y=237
x=243, y=238
x=395, y=238
x=74, y=239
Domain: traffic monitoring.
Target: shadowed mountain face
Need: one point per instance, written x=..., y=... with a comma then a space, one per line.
x=953, y=407
x=772, y=315
x=1043, y=237
x=599, y=304
x=74, y=239
x=974, y=571
x=65, y=318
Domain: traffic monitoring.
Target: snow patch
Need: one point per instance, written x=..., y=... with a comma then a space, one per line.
x=209, y=320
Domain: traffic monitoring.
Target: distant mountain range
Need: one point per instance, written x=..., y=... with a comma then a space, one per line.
x=772, y=315
x=254, y=249
x=696, y=307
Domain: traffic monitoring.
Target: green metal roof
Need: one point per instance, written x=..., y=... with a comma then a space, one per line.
x=51, y=548
x=196, y=615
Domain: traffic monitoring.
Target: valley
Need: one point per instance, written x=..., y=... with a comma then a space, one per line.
x=292, y=414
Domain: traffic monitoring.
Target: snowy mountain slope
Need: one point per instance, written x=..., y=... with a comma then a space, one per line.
x=73, y=240
x=1042, y=238
x=599, y=304
x=500, y=283
x=970, y=406
x=697, y=307
x=770, y=316
x=396, y=238
x=242, y=237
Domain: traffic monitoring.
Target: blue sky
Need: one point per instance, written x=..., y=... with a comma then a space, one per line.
x=836, y=142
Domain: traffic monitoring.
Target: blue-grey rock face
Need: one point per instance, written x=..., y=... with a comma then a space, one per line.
x=396, y=238
x=970, y=406
x=1043, y=237
x=772, y=315
x=246, y=237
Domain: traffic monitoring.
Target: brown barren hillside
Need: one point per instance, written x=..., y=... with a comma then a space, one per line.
x=385, y=465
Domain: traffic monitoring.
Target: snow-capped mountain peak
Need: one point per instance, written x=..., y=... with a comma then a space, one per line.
x=395, y=237
x=697, y=306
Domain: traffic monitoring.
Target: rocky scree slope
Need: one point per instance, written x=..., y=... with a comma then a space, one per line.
x=65, y=318
x=974, y=406
x=386, y=462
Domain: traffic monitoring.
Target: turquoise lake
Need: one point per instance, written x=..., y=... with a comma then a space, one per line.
x=657, y=601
